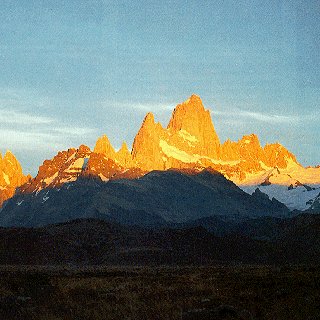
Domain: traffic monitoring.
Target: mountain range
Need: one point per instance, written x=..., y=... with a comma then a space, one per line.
x=189, y=150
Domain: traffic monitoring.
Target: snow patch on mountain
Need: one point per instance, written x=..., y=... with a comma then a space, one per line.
x=308, y=175
x=296, y=198
x=173, y=152
x=103, y=178
x=187, y=136
x=76, y=166
x=49, y=180
x=45, y=197
x=6, y=178
x=292, y=174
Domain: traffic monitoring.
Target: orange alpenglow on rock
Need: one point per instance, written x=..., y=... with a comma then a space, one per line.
x=277, y=155
x=189, y=135
x=11, y=176
x=189, y=142
x=190, y=117
x=104, y=146
x=123, y=156
x=146, y=151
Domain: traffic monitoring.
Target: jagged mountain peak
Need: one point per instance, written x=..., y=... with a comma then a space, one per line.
x=278, y=155
x=189, y=115
x=149, y=118
x=10, y=162
x=83, y=149
x=251, y=138
x=193, y=122
x=11, y=176
x=149, y=123
x=124, y=148
x=193, y=101
x=9, y=156
x=103, y=145
x=9, y=153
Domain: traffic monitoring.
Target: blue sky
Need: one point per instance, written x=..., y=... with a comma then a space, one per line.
x=72, y=70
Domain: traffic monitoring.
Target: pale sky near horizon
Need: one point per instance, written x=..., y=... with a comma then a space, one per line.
x=72, y=70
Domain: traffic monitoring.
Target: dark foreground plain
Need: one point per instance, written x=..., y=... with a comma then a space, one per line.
x=231, y=292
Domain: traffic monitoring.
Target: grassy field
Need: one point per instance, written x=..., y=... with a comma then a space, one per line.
x=242, y=292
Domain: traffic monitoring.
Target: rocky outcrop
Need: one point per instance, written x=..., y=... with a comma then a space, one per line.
x=193, y=124
x=146, y=150
x=67, y=166
x=123, y=156
x=277, y=155
x=11, y=176
x=104, y=147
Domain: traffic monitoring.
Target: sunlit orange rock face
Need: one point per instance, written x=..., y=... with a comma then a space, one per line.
x=103, y=146
x=277, y=155
x=189, y=142
x=146, y=150
x=122, y=157
x=190, y=132
x=67, y=166
x=251, y=155
x=191, y=122
x=11, y=176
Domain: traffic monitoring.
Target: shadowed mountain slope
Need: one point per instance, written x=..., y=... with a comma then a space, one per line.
x=158, y=198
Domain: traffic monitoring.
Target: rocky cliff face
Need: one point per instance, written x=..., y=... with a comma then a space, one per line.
x=146, y=150
x=191, y=123
x=104, y=146
x=11, y=176
x=277, y=155
x=189, y=136
x=122, y=157
x=67, y=166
